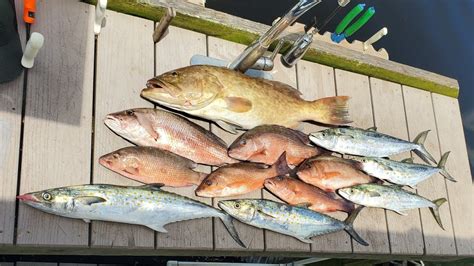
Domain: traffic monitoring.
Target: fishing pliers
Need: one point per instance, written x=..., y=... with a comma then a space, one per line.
x=343, y=30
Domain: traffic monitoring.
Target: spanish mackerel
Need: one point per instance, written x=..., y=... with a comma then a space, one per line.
x=356, y=141
x=391, y=198
x=299, y=222
x=146, y=205
x=404, y=172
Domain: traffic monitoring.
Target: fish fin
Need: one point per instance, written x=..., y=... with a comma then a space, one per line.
x=421, y=150
x=407, y=160
x=372, y=129
x=303, y=205
x=87, y=220
x=373, y=194
x=89, y=200
x=265, y=214
x=349, y=222
x=305, y=240
x=401, y=212
x=146, y=124
x=131, y=170
x=442, y=168
x=227, y=127
x=281, y=165
x=330, y=110
x=229, y=225
x=158, y=228
x=435, y=210
x=154, y=186
x=238, y=104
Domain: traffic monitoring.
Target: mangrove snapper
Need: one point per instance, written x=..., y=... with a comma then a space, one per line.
x=151, y=165
x=264, y=144
x=167, y=131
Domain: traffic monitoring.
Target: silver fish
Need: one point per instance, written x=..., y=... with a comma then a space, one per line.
x=299, y=222
x=391, y=198
x=356, y=141
x=405, y=172
x=146, y=205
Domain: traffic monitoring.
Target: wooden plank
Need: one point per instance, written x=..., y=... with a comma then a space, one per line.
x=57, y=130
x=30, y=263
x=11, y=97
x=461, y=197
x=174, y=52
x=125, y=61
x=236, y=29
x=275, y=241
x=76, y=264
x=405, y=232
x=420, y=117
x=317, y=81
x=251, y=236
x=371, y=223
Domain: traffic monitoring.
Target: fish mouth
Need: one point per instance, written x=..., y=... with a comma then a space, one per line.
x=27, y=198
x=226, y=206
x=343, y=193
x=105, y=162
x=112, y=122
x=269, y=183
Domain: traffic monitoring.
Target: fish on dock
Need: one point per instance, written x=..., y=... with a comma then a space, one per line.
x=369, y=143
x=264, y=144
x=391, y=198
x=236, y=101
x=403, y=173
x=240, y=178
x=146, y=205
x=167, y=131
x=301, y=223
x=299, y=193
x=331, y=173
x=151, y=165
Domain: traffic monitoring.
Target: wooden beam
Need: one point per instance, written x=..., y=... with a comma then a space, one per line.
x=235, y=29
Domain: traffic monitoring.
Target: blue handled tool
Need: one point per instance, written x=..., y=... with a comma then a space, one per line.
x=343, y=30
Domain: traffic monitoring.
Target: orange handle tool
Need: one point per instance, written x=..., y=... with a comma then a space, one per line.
x=29, y=10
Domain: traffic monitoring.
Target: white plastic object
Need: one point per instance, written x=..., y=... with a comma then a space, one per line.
x=343, y=3
x=31, y=50
x=99, y=21
x=375, y=38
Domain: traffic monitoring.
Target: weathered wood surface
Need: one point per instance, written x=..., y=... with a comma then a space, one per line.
x=251, y=236
x=371, y=224
x=461, y=196
x=174, y=52
x=314, y=82
x=121, y=75
x=58, y=118
x=11, y=97
x=420, y=117
x=242, y=30
x=59, y=104
x=405, y=233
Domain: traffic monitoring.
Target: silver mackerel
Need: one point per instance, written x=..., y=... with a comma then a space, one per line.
x=356, y=141
x=146, y=205
x=299, y=222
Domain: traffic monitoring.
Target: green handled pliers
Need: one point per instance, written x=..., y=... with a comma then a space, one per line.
x=343, y=30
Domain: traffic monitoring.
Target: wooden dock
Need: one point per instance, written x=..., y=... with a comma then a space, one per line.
x=53, y=118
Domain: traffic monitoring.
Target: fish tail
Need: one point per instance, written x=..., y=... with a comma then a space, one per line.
x=229, y=225
x=281, y=166
x=435, y=210
x=421, y=150
x=442, y=167
x=330, y=110
x=350, y=229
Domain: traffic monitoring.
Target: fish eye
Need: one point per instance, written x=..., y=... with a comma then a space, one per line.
x=208, y=182
x=324, y=134
x=174, y=74
x=243, y=142
x=129, y=112
x=116, y=155
x=237, y=205
x=46, y=196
